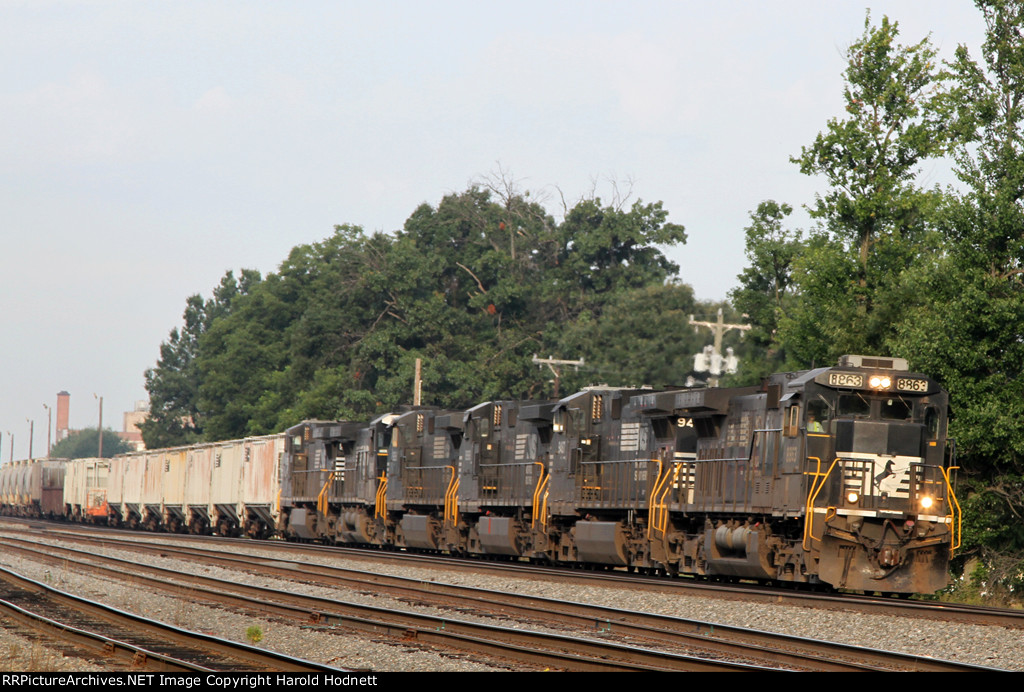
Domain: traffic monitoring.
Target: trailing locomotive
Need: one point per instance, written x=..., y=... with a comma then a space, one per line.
x=836, y=475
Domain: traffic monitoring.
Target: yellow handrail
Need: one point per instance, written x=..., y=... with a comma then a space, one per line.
x=663, y=524
x=810, y=491
x=451, y=498
x=653, y=507
x=955, y=514
x=812, y=495
x=544, y=504
x=321, y=498
x=379, y=504
x=542, y=482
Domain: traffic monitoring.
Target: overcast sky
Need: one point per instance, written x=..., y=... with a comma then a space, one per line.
x=147, y=147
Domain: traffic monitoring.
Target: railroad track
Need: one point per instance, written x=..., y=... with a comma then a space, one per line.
x=538, y=648
x=754, y=593
x=128, y=639
x=934, y=610
x=633, y=630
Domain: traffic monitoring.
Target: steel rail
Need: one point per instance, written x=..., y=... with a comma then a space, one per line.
x=203, y=645
x=553, y=650
x=96, y=644
x=757, y=593
x=778, y=649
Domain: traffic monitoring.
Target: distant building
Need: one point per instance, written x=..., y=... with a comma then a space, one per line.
x=130, y=432
x=63, y=406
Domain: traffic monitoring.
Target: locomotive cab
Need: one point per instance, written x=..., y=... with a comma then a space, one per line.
x=881, y=505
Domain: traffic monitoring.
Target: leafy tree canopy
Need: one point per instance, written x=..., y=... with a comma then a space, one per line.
x=85, y=444
x=936, y=276
x=473, y=286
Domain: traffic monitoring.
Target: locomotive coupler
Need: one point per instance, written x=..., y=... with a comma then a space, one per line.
x=887, y=555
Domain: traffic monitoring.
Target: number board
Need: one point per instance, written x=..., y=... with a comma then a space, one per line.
x=845, y=379
x=911, y=384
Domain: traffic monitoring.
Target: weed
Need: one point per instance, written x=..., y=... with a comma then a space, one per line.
x=254, y=634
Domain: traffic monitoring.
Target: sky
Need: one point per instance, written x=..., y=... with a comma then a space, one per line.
x=148, y=147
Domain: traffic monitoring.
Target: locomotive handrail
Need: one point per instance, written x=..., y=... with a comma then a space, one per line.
x=812, y=495
x=702, y=461
x=663, y=523
x=321, y=498
x=614, y=461
x=542, y=482
x=380, y=499
x=655, y=506
x=676, y=468
x=451, y=499
x=544, y=503
x=604, y=480
x=955, y=514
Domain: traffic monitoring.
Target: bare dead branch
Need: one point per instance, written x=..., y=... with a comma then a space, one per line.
x=475, y=278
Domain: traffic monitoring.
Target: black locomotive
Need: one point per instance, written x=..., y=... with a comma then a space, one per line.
x=837, y=475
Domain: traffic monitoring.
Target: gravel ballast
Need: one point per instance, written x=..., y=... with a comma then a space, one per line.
x=982, y=645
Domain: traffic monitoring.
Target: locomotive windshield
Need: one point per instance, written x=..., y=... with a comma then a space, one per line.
x=896, y=409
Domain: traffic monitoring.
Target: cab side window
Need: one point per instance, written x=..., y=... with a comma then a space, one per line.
x=791, y=426
x=817, y=416
x=931, y=421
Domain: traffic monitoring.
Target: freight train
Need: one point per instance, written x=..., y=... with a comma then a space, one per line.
x=839, y=476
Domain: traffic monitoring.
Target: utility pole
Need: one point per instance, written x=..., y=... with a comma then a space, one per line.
x=49, y=428
x=713, y=361
x=417, y=387
x=100, y=426
x=552, y=362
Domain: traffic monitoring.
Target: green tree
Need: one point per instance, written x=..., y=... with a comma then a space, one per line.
x=635, y=339
x=766, y=289
x=965, y=323
x=474, y=287
x=173, y=385
x=870, y=159
x=604, y=248
x=85, y=444
x=874, y=220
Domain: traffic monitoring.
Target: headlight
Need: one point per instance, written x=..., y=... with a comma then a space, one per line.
x=852, y=497
x=879, y=382
x=926, y=502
